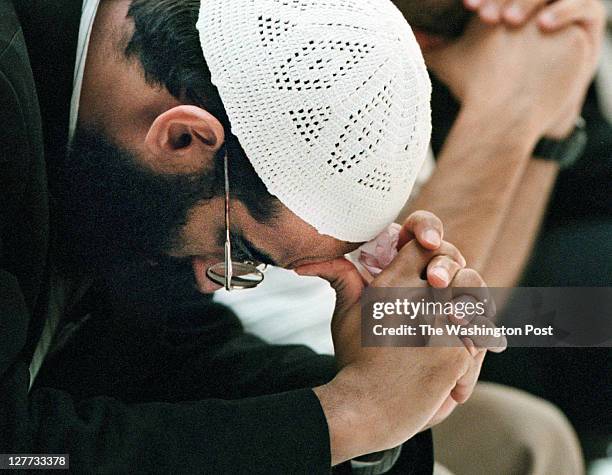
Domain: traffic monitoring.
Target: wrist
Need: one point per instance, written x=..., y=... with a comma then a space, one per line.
x=562, y=129
x=348, y=417
x=508, y=125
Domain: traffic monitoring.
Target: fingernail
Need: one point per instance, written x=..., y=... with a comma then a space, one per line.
x=490, y=12
x=514, y=13
x=547, y=18
x=441, y=273
x=473, y=3
x=431, y=236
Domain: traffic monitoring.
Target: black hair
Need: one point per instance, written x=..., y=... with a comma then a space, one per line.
x=166, y=42
x=446, y=18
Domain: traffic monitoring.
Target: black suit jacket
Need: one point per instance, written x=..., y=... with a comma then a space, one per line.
x=251, y=408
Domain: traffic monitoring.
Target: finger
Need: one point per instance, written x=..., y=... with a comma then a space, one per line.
x=469, y=282
x=343, y=277
x=472, y=4
x=490, y=11
x=441, y=270
x=486, y=336
x=517, y=12
x=566, y=12
x=469, y=345
x=465, y=385
x=465, y=306
x=409, y=266
x=447, y=408
x=423, y=226
x=441, y=338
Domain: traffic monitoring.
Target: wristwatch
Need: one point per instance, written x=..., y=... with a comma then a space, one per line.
x=567, y=151
x=377, y=463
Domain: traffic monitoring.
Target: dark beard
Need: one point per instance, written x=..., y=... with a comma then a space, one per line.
x=114, y=218
x=110, y=205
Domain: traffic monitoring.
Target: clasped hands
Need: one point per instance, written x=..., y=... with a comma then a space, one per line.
x=394, y=393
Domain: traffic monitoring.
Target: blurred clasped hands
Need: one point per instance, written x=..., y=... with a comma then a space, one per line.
x=532, y=59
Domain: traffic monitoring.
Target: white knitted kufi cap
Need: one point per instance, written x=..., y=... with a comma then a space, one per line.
x=330, y=100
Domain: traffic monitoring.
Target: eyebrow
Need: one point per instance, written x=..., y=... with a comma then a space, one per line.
x=247, y=250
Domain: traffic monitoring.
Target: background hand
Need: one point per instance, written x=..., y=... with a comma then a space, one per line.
x=551, y=17
x=536, y=78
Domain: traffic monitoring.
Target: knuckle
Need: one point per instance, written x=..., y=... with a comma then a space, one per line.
x=448, y=362
x=470, y=278
x=455, y=357
x=448, y=263
x=460, y=361
x=454, y=268
x=415, y=217
x=451, y=251
x=448, y=248
x=422, y=216
x=410, y=250
x=577, y=39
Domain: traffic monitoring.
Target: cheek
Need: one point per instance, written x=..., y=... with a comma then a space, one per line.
x=200, y=235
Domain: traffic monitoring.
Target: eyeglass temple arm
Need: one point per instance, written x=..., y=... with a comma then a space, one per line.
x=228, y=246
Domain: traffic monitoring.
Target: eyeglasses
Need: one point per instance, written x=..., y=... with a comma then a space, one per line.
x=234, y=275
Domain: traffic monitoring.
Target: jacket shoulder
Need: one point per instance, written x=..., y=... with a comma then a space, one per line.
x=9, y=24
x=23, y=186
x=21, y=133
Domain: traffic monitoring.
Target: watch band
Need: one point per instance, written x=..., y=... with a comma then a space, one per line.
x=566, y=152
x=376, y=464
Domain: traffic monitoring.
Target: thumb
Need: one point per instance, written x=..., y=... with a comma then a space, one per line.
x=343, y=277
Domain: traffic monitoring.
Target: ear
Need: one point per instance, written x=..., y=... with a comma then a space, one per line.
x=183, y=139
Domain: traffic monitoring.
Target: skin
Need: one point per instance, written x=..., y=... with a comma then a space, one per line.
x=551, y=16
x=497, y=184
x=158, y=124
x=373, y=385
x=379, y=381
x=363, y=402
x=513, y=189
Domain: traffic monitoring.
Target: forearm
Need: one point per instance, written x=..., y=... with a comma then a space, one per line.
x=282, y=433
x=479, y=173
x=519, y=230
x=362, y=413
x=250, y=409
